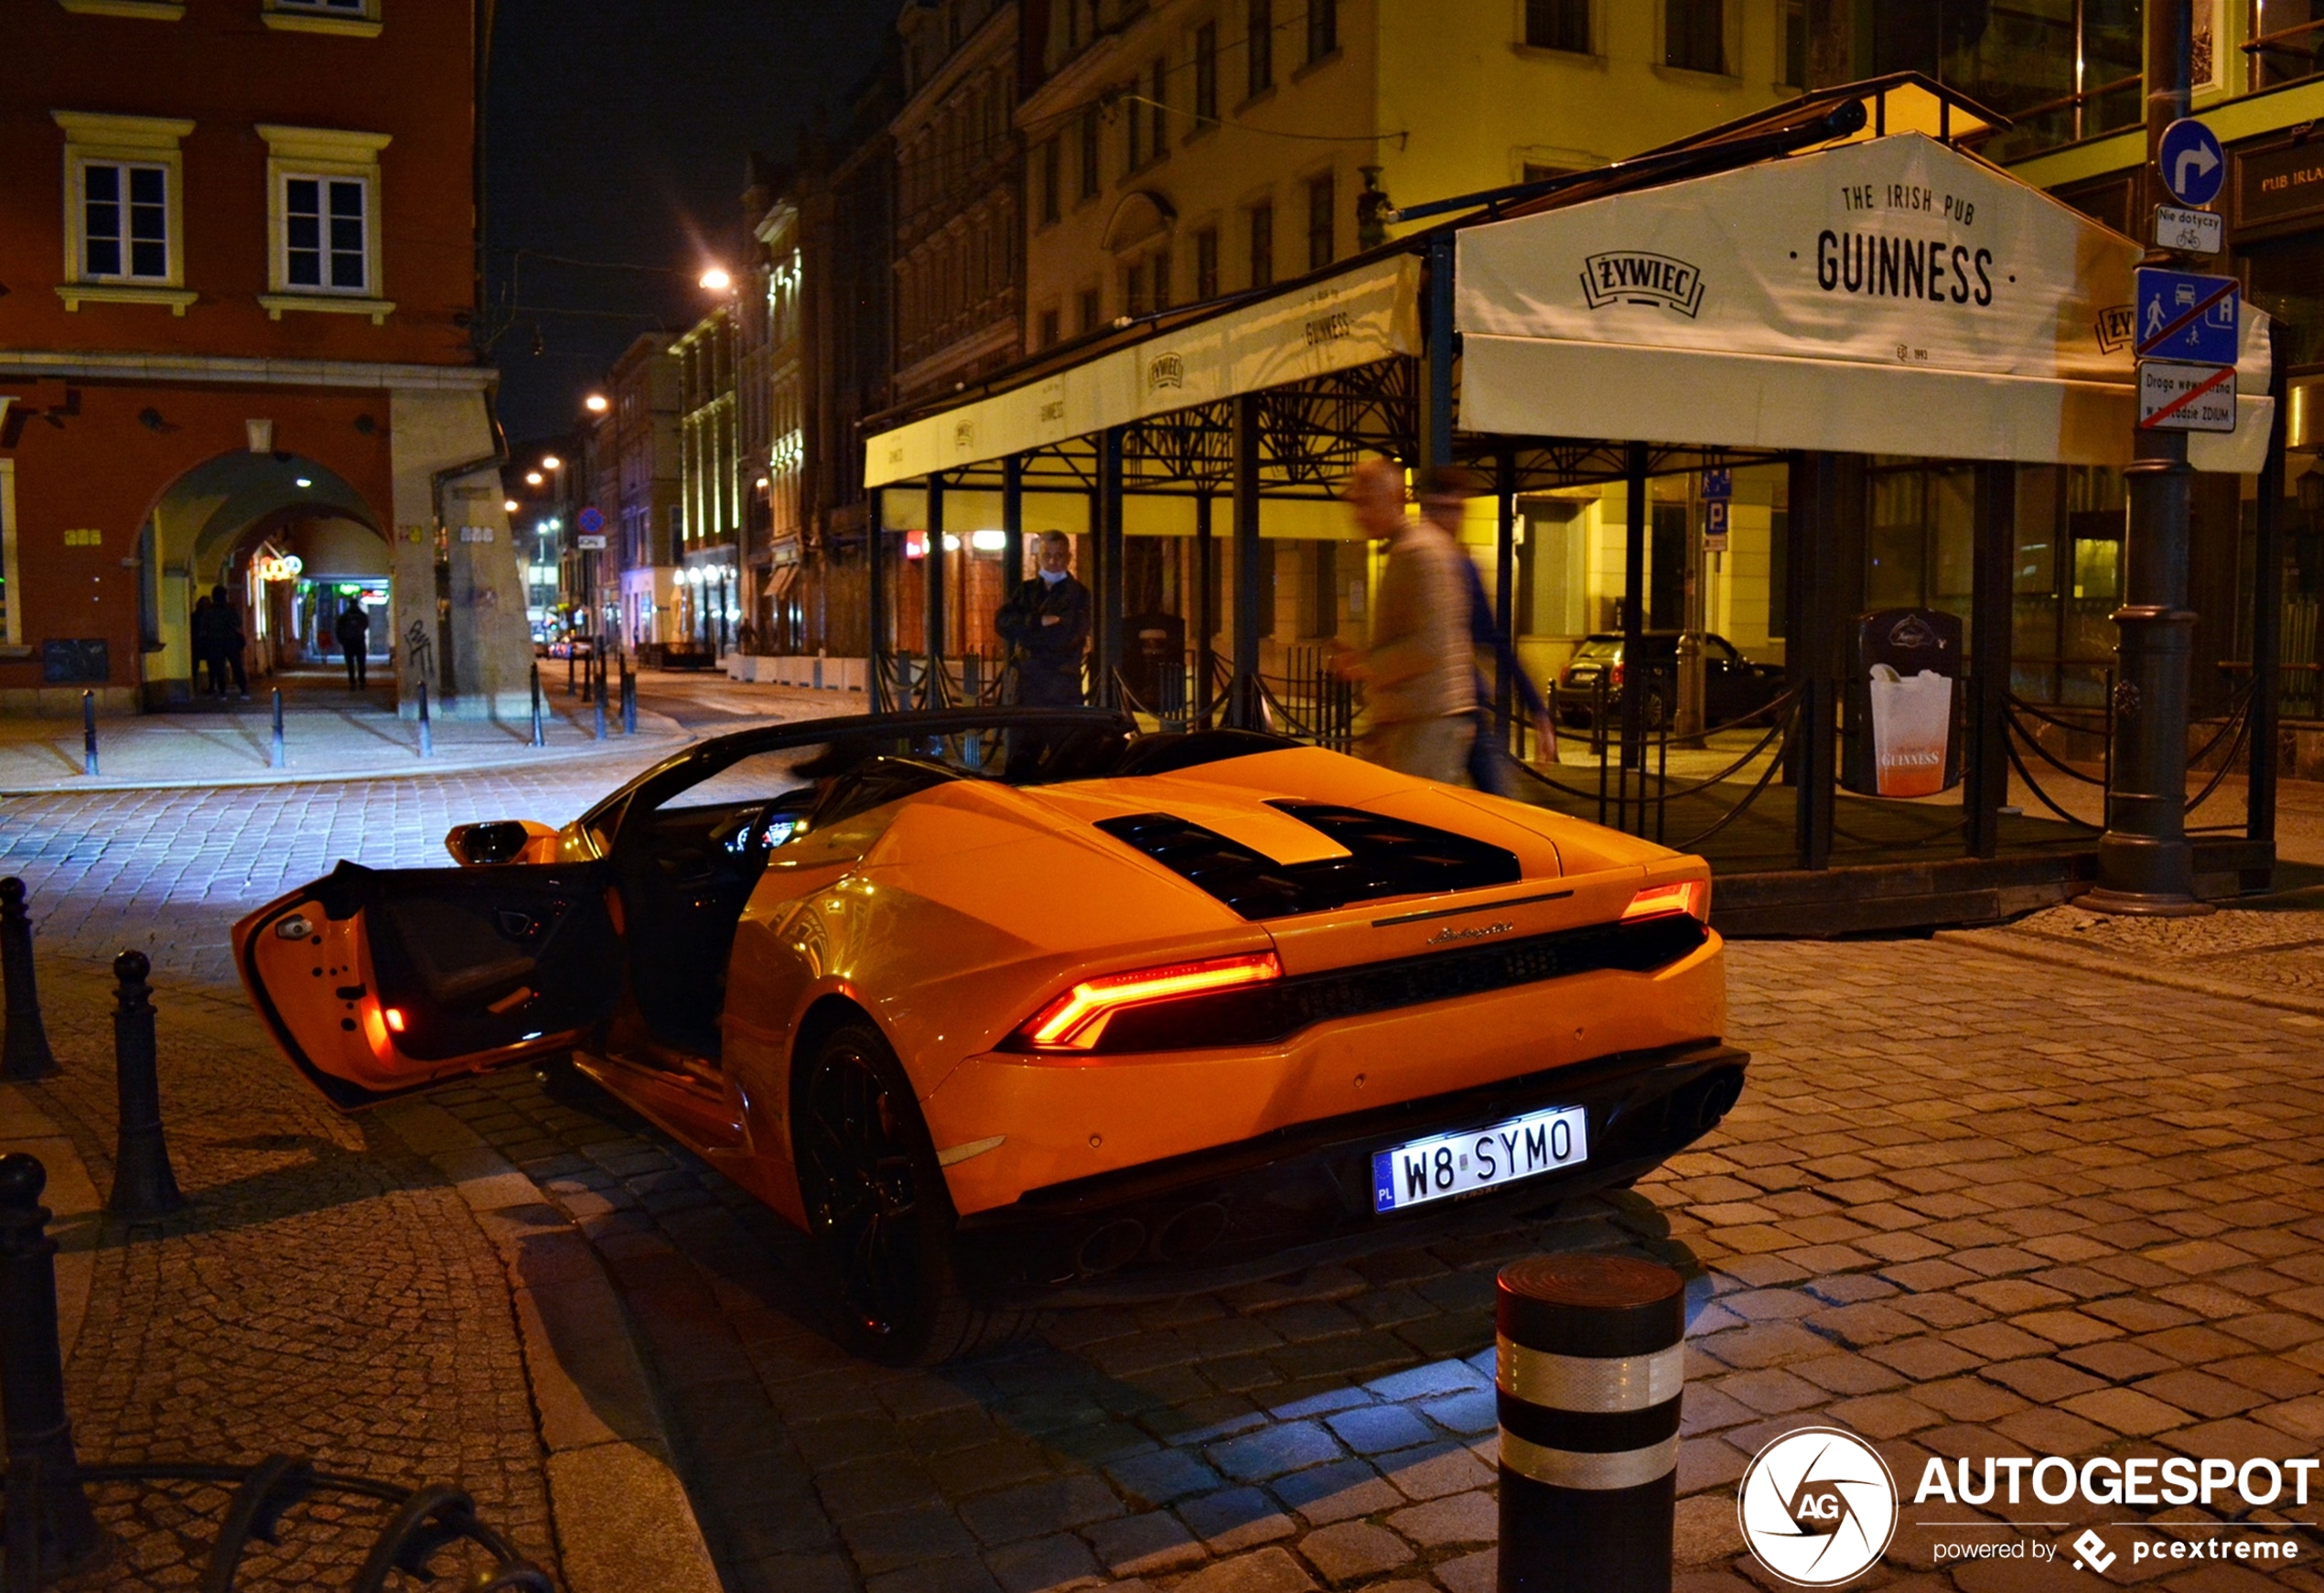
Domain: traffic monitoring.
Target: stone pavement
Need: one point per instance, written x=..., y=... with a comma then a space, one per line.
x=1971, y=1203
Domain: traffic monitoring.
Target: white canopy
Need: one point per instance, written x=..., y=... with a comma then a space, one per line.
x=1892, y=296
x=1344, y=321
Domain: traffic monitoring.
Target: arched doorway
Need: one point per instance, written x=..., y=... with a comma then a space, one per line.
x=279, y=534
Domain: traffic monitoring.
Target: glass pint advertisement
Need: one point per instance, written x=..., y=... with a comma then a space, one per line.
x=1907, y=744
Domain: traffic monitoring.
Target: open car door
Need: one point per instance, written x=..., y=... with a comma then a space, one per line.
x=380, y=982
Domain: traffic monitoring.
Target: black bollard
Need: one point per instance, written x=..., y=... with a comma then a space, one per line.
x=277, y=761
x=24, y=1050
x=143, y=1186
x=628, y=699
x=50, y=1529
x=540, y=735
x=1590, y=1362
x=597, y=695
x=572, y=657
x=427, y=731
x=89, y=733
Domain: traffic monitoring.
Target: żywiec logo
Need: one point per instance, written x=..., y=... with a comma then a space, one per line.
x=1165, y=371
x=1818, y=1507
x=1634, y=277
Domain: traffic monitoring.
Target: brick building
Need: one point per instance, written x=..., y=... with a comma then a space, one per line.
x=238, y=272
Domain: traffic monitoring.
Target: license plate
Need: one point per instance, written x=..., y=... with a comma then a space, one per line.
x=1478, y=1158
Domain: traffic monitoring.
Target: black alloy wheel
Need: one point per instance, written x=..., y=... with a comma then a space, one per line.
x=877, y=1206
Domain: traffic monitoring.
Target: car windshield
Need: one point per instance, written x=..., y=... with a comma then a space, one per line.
x=1599, y=650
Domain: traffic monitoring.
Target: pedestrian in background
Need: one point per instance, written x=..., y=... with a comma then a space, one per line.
x=354, y=633
x=1443, y=499
x=1420, y=673
x=201, y=632
x=228, y=656
x=1046, y=622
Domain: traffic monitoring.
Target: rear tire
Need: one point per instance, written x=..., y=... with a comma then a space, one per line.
x=879, y=1210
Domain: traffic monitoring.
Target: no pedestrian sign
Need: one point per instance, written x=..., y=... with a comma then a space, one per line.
x=2184, y=315
x=2176, y=397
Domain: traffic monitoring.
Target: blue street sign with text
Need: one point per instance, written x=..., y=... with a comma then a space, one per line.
x=1718, y=483
x=2192, y=164
x=2182, y=316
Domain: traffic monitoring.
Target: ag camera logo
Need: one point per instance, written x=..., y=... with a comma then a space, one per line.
x=1818, y=1507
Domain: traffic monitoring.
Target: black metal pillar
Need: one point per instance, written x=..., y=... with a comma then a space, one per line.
x=1011, y=523
x=875, y=601
x=2267, y=617
x=2145, y=863
x=1505, y=592
x=1243, y=699
x=1110, y=571
x=1635, y=679
x=1814, y=621
x=1206, y=608
x=932, y=569
x=1993, y=582
x=1436, y=361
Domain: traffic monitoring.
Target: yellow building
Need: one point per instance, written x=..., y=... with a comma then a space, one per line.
x=1187, y=150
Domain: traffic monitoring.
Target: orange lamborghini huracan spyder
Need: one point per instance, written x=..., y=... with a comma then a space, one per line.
x=1005, y=1006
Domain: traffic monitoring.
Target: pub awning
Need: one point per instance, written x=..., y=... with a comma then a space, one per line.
x=1889, y=297
x=1337, y=323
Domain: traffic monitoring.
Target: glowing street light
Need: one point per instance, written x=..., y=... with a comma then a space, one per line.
x=551, y=462
x=510, y=504
x=596, y=404
x=533, y=477
x=716, y=280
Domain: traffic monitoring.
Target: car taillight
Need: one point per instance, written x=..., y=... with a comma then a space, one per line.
x=1075, y=1019
x=1614, y=675
x=1692, y=897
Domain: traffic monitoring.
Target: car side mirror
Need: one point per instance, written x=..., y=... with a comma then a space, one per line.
x=495, y=841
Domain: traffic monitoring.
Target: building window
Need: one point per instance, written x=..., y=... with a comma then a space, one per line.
x=1086, y=310
x=323, y=222
x=1261, y=220
x=1322, y=197
x=1206, y=74
x=1694, y=34
x=1052, y=333
x=1558, y=25
x=124, y=222
x=1159, y=270
x=1206, y=265
x=1795, y=43
x=1158, y=114
x=122, y=228
x=1088, y=153
x=1133, y=129
x=327, y=234
x=1260, y=32
x=1323, y=28
x=1133, y=300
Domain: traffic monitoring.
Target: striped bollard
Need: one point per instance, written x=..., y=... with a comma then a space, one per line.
x=1589, y=1363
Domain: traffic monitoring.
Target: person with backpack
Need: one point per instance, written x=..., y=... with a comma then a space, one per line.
x=354, y=632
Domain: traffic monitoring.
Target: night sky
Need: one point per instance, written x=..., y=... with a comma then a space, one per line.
x=617, y=132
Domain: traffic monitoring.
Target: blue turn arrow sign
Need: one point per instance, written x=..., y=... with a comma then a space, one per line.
x=2193, y=166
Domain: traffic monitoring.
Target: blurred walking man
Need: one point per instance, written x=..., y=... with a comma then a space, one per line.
x=1420, y=672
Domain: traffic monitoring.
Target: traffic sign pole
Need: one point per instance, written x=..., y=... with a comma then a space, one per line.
x=2145, y=864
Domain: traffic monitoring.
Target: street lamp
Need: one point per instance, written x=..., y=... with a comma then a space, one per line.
x=533, y=477
x=510, y=504
x=596, y=404
x=715, y=279
x=551, y=462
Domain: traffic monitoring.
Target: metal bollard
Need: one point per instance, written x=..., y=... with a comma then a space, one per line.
x=24, y=1050
x=41, y=1490
x=540, y=735
x=427, y=731
x=89, y=733
x=1591, y=1361
x=628, y=700
x=143, y=1186
x=277, y=761
x=570, y=666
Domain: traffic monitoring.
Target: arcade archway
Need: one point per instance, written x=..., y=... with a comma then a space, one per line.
x=280, y=534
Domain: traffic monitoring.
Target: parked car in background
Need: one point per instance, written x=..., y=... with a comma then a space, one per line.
x=1733, y=685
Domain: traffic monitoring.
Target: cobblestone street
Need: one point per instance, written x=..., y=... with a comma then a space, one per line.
x=1972, y=1203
